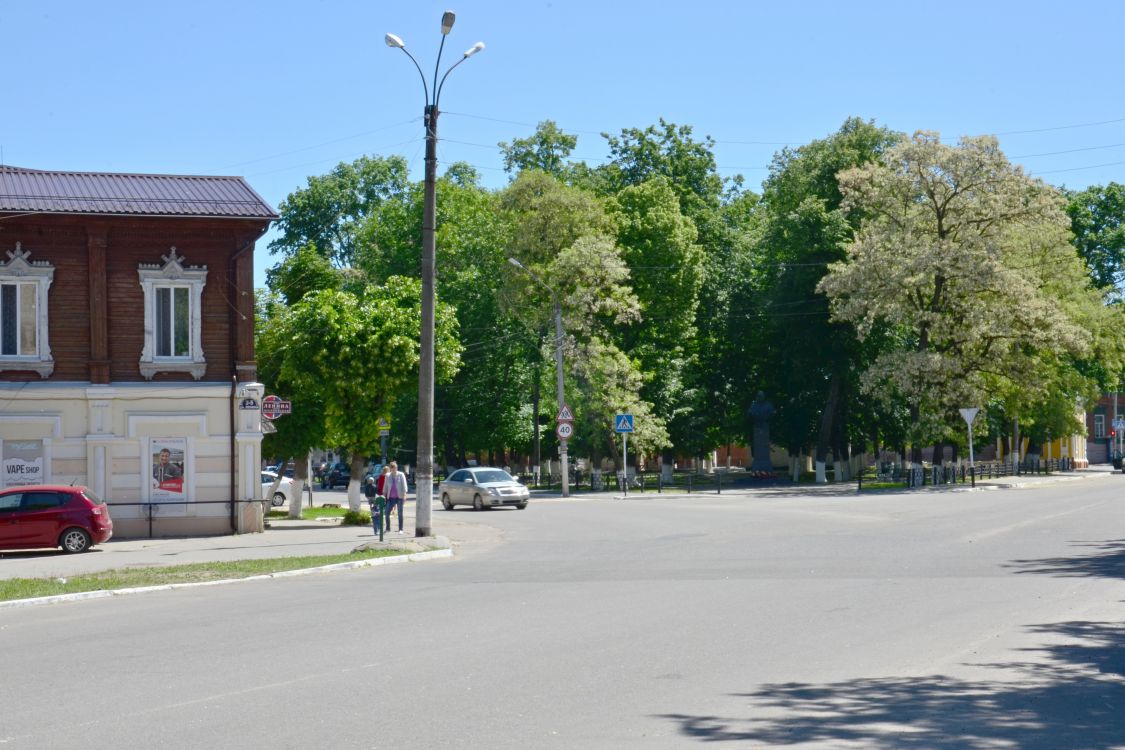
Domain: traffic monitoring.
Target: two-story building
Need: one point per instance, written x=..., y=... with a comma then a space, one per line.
x=127, y=344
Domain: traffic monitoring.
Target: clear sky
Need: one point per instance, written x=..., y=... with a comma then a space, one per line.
x=278, y=91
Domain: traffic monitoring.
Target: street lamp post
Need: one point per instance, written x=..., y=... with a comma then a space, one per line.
x=563, y=458
x=424, y=469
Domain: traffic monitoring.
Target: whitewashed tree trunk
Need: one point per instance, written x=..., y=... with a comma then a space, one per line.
x=838, y=468
x=821, y=476
x=297, y=502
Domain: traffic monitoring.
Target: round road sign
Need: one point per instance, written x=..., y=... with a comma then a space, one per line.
x=564, y=430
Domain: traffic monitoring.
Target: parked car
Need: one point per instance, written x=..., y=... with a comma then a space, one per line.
x=48, y=515
x=338, y=476
x=284, y=492
x=482, y=487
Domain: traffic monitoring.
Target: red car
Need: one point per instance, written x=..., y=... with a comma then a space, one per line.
x=50, y=515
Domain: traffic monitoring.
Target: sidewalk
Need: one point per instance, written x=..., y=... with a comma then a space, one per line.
x=287, y=538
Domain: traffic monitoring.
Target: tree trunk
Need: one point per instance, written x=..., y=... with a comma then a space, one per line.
x=355, y=501
x=824, y=435
x=667, y=464
x=300, y=479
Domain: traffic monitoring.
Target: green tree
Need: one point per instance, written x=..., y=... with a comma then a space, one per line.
x=811, y=363
x=355, y=354
x=300, y=431
x=1097, y=218
x=547, y=150
x=328, y=212
x=969, y=258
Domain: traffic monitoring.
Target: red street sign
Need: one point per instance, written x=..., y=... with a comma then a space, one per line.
x=273, y=407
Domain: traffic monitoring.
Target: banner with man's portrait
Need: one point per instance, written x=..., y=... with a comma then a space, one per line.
x=168, y=458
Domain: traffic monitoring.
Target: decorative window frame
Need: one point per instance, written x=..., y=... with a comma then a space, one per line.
x=1099, y=427
x=18, y=269
x=173, y=274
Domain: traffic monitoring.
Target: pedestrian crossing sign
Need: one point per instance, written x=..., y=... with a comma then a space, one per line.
x=624, y=422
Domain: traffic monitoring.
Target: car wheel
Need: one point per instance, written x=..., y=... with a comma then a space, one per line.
x=75, y=540
x=446, y=502
x=521, y=506
x=478, y=504
x=278, y=499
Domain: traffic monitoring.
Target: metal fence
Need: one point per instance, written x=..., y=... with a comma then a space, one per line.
x=920, y=476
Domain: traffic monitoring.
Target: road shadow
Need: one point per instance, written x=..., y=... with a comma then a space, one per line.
x=1106, y=560
x=1067, y=693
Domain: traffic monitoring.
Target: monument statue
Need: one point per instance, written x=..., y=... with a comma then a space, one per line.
x=761, y=410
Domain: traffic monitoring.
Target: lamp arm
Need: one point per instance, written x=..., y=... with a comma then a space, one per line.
x=421, y=75
x=437, y=94
x=437, y=64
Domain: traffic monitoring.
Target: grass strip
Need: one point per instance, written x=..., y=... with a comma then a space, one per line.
x=124, y=578
x=311, y=514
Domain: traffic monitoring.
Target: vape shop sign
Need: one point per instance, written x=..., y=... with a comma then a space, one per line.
x=23, y=462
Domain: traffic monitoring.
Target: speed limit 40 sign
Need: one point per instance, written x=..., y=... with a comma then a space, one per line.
x=564, y=430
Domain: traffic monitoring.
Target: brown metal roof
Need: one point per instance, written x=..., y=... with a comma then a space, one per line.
x=133, y=194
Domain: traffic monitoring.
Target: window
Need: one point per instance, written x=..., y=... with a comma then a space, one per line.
x=173, y=317
x=10, y=503
x=173, y=311
x=23, y=314
x=1099, y=426
x=43, y=500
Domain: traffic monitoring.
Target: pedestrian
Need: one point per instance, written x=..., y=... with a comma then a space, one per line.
x=394, y=487
x=372, y=496
x=381, y=488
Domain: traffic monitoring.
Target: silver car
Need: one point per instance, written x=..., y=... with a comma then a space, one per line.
x=482, y=487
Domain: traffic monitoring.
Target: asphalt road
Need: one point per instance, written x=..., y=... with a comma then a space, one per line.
x=933, y=620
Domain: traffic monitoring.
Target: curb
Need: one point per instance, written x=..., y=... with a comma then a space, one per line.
x=104, y=593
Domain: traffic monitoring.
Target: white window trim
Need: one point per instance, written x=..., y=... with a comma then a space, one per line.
x=16, y=270
x=1099, y=427
x=173, y=274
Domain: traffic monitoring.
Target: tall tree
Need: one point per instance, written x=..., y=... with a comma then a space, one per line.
x=812, y=362
x=1097, y=218
x=970, y=259
x=355, y=354
x=547, y=150
x=328, y=212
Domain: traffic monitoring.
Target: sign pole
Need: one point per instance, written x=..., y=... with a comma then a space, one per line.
x=969, y=415
x=625, y=461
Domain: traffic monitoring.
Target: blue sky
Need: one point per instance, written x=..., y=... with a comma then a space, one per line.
x=279, y=91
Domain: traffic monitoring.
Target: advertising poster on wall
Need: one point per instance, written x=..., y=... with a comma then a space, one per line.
x=168, y=455
x=23, y=462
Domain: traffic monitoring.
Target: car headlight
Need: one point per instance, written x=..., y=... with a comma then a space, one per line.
x=493, y=491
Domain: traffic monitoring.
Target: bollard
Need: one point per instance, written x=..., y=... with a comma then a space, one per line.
x=973, y=475
x=378, y=509
x=720, y=484
x=689, y=484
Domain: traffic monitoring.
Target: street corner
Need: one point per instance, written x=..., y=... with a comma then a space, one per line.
x=412, y=545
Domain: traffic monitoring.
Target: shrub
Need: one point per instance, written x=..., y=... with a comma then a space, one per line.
x=356, y=518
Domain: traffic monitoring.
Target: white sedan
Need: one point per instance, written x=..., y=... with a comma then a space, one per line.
x=284, y=493
x=482, y=487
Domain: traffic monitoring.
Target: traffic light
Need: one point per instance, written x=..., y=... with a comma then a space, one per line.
x=1113, y=433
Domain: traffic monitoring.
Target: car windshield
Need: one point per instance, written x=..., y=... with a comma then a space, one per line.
x=493, y=475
